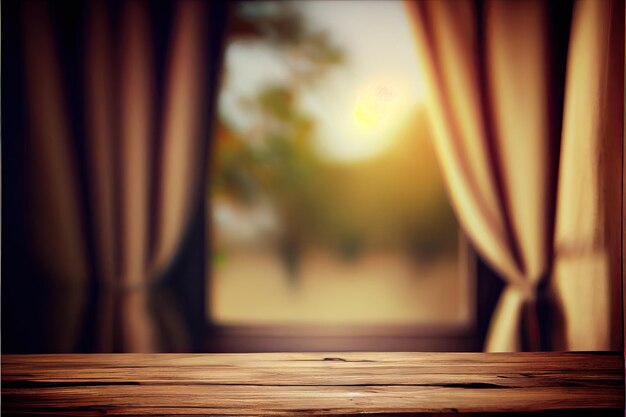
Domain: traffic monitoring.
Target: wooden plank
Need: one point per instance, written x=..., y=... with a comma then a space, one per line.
x=310, y=383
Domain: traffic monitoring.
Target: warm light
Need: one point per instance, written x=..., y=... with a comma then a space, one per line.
x=374, y=105
x=379, y=107
x=358, y=107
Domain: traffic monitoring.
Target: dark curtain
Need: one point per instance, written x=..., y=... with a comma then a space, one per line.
x=108, y=110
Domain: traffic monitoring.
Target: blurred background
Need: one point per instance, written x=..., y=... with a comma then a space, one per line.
x=327, y=203
x=236, y=176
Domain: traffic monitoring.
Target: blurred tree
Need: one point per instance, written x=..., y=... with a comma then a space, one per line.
x=309, y=53
x=396, y=199
x=283, y=164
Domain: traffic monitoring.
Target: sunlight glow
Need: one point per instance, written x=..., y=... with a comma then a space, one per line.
x=367, y=117
x=371, y=121
x=374, y=105
x=358, y=107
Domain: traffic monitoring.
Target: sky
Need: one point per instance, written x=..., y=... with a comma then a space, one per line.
x=359, y=105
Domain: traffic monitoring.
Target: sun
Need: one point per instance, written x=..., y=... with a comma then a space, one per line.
x=363, y=118
x=374, y=106
x=379, y=109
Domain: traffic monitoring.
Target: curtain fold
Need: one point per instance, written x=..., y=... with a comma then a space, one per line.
x=497, y=74
x=140, y=135
x=587, y=273
x=54, y=198
x=181, y=156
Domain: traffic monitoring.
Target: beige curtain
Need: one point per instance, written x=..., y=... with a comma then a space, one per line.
x=587, y=272
x=496, y=107
x=142, y=163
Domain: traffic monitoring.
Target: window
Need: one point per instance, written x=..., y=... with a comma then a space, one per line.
x=327, y=207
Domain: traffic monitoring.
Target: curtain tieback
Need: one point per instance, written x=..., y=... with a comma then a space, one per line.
x=526, y=290
x=535, y=304
x=118, y=286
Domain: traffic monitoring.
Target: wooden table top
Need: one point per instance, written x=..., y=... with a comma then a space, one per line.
x=310, y=383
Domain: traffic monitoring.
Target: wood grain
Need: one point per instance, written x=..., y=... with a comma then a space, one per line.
x=310, y=383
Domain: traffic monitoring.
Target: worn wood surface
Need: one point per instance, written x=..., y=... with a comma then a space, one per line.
x=310, y=383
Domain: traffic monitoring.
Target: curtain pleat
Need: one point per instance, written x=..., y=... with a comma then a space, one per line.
x=496, y=72
x=143, y=153
x=492, y=138
x=101, y=126
x=55, y=212
x=587, y=272
x=134, y=147
x=181, y=151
